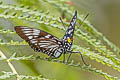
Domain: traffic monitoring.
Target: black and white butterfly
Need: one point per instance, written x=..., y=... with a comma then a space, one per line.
x=42, y=41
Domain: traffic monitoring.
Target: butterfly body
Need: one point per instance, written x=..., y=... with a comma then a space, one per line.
x=42, y=41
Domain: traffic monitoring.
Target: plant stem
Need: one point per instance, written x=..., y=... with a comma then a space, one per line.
x=10, y=65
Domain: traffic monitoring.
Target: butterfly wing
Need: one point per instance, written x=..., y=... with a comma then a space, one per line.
x=68, y=37
x=41, y=41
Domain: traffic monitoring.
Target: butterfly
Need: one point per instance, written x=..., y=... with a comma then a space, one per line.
x=42, y=41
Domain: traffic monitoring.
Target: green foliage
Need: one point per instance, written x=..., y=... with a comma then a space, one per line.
x=24, y=15
x=72, y=63
x=7, y=75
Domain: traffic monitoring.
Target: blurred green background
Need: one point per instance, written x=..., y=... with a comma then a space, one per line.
x=104, y=16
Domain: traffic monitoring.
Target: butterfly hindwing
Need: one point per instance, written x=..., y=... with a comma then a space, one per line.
x=40, y=41
x=68, y=37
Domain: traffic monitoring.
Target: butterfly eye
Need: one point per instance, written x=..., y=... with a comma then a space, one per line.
x=68, y=40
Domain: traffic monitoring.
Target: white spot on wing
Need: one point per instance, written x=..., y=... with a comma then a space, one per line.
x=43, y=46
x=36, y=31
x=60, y=50
x=72, y=23
x=70, y=31
x=33, y=41
x=30, y=37
x=47, y=36
x=42, y=37
x=52, y=46
x=55, y=38
x=28, y=34
x=35, y=36
x=43, y=43
x=75, y=16
x=24, y=27
x=59, y=42
x=57, y=54
x=27, y=31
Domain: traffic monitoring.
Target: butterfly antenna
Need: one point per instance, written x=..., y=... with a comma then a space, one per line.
x=84, y=19
x=62, y=23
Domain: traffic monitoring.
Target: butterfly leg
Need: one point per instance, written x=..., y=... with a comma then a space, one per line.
x=69, y=57
x=63, y=58
x=80, y=55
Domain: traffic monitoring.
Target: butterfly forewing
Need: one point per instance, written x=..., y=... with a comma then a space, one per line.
x=68, y=37
x=41, y=41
